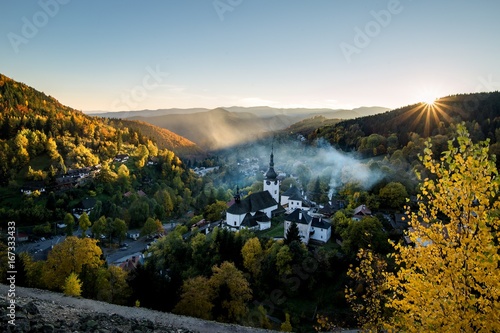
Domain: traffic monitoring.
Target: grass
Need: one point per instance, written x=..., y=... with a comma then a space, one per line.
x=276, y=230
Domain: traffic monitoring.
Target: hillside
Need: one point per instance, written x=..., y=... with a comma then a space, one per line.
x=34, y=125
x=397, y=128
x=164, y=138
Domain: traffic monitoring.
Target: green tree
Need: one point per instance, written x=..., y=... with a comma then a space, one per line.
x=393, y=195
x=99, y=227
x=448, y=281
x=151, y=227
x=214, y=211
x=120, y=229
x=292, y=234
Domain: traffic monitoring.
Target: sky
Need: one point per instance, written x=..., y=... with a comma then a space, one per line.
x=120, y=55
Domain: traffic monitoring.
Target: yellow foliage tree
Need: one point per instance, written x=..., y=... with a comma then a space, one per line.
x=286, y=326
x=252, y=256
x=231, y=291
x=196, y=298
x=449, y=281
x=69, y=257
x=367, y=300
x=72, y=285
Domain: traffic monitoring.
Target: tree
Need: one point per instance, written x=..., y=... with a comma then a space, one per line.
x=252, y=256
x=119, y=229
x=196, y=298
x=368, y=297
x=151, y=227
x=292, y=234
x=99, y=227
x=286, y=326
x=72, y=285
x=69, y=257
x=231, y=291
x=214, y=211
x=448, y=281
x=84, y=223
x=393, y=195
x=69, y=220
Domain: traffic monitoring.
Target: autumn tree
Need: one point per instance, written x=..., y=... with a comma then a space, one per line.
x=72, y=285
x=69, y=220
x=252, y=256
x=196, y=298
x=84, y=223
x=449, y=280
x=368, y=297
x=231, y=292
x=286, y=326
x=69, y=257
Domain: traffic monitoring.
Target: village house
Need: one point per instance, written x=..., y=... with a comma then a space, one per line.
x=361, y=212
x=303, y=221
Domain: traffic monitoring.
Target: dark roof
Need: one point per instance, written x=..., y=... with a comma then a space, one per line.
x=88, y=203
x=296, y=197
x=296, y=217
x=249, y=221
x=292, y=190
x=332, y=207
x=362, y=210
x=321, y=223
x=253, y=203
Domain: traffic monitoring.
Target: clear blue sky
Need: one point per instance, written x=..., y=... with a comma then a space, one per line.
x=99, y=55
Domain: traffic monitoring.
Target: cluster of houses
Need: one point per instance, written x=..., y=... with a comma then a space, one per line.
x=256, y=210
x=72, y=178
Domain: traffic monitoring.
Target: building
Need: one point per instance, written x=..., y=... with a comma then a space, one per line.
x=256, y=210
x=321, y=229
x=360, y=212
x=293, y=199
x=303, y=221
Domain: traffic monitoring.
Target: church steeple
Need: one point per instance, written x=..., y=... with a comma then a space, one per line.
x=271, y=174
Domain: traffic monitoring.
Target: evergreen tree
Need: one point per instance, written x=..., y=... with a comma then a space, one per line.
x=292, y=234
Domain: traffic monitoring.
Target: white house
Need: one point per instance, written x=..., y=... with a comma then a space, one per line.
x=303, y=221
x=321, y=229
x=293, y=199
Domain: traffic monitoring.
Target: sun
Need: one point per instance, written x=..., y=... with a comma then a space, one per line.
x=429, y=100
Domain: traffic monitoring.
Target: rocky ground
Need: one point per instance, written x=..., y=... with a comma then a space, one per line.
x=47, y=312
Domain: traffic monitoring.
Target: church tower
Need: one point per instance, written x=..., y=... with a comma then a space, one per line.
x=271, y=181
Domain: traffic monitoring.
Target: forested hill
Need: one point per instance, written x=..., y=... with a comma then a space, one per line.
x=392, y=130
x=40, y=137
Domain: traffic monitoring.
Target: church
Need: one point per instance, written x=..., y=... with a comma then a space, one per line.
x=255, y=211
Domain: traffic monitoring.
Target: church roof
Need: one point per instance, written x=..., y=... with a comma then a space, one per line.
x=253, y=203
x=299, y=216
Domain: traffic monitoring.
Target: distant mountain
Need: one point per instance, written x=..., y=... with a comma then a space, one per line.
x=223, y=127
x=144, y=113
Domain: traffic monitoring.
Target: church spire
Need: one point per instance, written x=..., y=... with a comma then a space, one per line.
x=271, y=174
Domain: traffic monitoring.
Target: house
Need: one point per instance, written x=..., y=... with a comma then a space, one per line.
x=303, y=221
x=85, y=206
x=30, y=187
x=293, y=199
x=22, y=237
x=133, y=234
x=131, y=263
x=332, y=207
x=121, y=158
x=360, y=212
x=321, y=229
